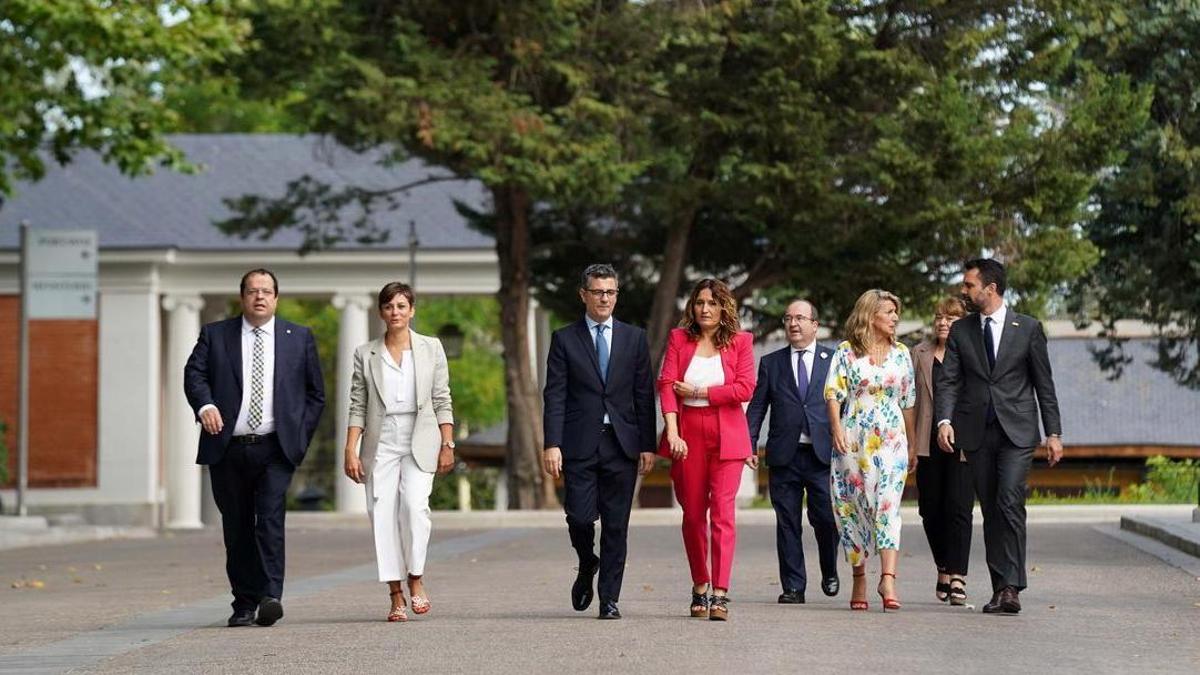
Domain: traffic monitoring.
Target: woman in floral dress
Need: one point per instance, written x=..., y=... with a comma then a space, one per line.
x=871, y=393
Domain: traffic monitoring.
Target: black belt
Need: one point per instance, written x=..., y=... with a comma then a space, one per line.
x=252, y=439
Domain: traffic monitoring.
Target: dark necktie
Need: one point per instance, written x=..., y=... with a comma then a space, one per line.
x=989, y=346
x=602, y=352
x=989, y=343
x=802, y=389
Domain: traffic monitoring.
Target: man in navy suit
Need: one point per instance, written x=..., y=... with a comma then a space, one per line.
x=791, y=383
x=599, y=426
x=255, y=384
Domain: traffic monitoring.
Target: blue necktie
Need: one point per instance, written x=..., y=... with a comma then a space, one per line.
x=602, y=352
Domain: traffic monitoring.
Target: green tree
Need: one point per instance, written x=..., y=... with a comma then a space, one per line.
x=88, y=74
x=1148, y=226
x=509, y=93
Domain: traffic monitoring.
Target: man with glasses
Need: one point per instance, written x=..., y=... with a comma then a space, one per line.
x=791, y=384
x=599, y=426
x=255, y=384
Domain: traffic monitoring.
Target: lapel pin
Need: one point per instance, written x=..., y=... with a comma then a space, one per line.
x=1014, y=323
x=824, y=355
x=289, y=331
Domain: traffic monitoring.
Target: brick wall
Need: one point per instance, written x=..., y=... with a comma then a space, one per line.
x=63, y=373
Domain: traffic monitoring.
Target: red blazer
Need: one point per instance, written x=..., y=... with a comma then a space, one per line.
x=737, y=360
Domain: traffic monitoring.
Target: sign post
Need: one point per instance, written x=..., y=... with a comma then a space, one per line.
x=58, y=281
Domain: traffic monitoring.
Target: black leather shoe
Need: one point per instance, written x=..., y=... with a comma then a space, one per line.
x=241, y=617
x=1010, y=600
x=270, y=610
x=792, y=597
x=608, y=610
x=581, y=591
x=830, y=585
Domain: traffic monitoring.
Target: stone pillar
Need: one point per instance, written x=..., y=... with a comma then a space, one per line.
x=352, y=332
x=748, y=489
x=183, y=432
x=215, y=309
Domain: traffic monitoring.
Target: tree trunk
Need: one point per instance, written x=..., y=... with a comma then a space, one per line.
x=664, y=311
x=528, y=487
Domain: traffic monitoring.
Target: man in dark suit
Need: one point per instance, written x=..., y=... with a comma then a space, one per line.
x=994, y=378
x=599, y=426
x=255, y=384
x=791, y=384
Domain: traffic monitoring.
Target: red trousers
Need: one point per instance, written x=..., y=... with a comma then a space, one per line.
x=706, y=486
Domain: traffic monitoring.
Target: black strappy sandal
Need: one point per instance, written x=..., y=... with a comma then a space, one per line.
x=718, y=608
x=699, y=607
x=942, y=591
x=958, y=593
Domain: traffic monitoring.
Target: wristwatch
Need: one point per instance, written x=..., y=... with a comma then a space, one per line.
x=448, y=444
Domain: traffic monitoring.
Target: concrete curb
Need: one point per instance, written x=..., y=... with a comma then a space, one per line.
x=1178, y=534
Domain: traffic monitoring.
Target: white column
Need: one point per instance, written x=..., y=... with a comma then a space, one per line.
x=352, y=332
x=183, y=433
x=215, y=309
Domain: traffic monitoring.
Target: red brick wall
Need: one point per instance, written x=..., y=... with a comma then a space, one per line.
x=63, y=375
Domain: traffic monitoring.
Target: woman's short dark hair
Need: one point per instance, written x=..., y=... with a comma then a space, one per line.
x=391, y=290
x=990, y=272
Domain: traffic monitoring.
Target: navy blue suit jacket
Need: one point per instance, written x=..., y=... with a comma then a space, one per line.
x=214, y=375
x=776, y=391
x=576, y=399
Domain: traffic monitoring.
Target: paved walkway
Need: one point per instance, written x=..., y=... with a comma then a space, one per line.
x=1096, y=603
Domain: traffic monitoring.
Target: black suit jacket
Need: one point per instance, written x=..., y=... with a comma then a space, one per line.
x=576, y=399
x=1018, y=386
x=214, y=375
x=776, y=391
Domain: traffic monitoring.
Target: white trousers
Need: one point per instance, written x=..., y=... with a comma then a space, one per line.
x=398, y=502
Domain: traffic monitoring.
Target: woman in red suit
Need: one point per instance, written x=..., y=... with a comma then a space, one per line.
x=707, y=374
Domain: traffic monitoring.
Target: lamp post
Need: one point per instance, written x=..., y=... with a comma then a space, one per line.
x=452, y=340
x=413, y=243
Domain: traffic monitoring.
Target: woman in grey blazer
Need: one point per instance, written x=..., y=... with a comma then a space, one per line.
x=945, y=487
x=400, y=409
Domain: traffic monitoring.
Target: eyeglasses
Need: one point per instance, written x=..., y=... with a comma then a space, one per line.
x=789, y=319
x=602, y=292
x=265, y=292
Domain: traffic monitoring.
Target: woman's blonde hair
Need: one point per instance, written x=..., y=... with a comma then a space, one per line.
x=950, y=306
x=727, y=327
x=859, y=329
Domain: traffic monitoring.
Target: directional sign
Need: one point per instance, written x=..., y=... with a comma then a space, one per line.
x=60, y=271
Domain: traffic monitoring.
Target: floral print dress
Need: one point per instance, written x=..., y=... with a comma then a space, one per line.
x=867, y=481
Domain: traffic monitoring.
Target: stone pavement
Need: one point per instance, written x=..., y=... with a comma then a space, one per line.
x=501, y=604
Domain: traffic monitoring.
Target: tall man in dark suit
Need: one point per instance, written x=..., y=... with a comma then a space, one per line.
x=994, y=378
x=255, y=384
x=791, y=384
x=599, y=425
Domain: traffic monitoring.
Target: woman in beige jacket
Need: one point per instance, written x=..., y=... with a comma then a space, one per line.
x=945, y=488
x=400, y=409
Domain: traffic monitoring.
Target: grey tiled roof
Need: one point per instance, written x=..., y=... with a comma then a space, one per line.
x=169, y=209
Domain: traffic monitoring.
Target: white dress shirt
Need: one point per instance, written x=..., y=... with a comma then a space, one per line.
x=267, y=425
x=997, y=318
x=807, y=355
x=399, y=383
x=609, y=327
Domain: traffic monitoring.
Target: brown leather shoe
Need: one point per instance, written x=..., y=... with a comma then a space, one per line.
x=993, y=605
x=1010, y=600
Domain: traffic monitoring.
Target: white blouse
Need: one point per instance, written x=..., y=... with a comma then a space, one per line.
x=703, y=371
x=399, y=383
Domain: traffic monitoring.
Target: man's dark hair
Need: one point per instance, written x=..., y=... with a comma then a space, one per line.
x=990, y=272
x=256, y=272
x=597, y=271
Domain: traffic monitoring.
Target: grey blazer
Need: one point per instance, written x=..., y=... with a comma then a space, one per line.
x=367, y=409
